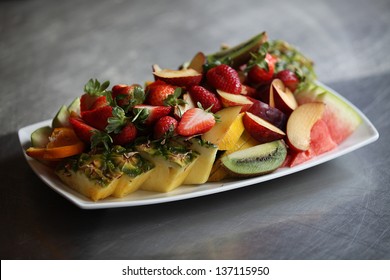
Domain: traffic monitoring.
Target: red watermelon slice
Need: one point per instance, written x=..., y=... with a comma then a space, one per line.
x=320, y=142
x=341, y=118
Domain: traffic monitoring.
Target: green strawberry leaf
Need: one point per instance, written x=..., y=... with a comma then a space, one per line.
x=99, y=138
x=94, y=88
x=117, y=121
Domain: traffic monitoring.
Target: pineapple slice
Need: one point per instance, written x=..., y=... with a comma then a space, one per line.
x=90, y=175
x=98, y=176
x=207, y=153
x=136, y=170
x=173, y=162
x=226, y=132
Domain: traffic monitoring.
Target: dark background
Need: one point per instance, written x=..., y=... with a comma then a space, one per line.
x=338, y=210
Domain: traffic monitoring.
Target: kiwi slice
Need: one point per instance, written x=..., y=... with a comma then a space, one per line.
x=256, y=160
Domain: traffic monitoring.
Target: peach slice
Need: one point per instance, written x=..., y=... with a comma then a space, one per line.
x=230, y=99
x=197, y=62
x=281, y=97
x=260, y=129
x=182, y=78
x=300, y=124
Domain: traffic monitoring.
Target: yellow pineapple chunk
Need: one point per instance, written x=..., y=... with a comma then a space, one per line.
x=232, y=135
x=227, y=117
x=166, y=176
x=92, y=189
x=172, y=161
x=127, y=184
x=201, y=171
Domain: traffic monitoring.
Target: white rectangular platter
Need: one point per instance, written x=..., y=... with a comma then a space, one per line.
x=364, y=135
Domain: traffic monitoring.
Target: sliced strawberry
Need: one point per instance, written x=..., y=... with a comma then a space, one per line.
x=86, y=102
x=225, y=78
x=195, y=121
x=93, y=90
x=157, y=92
x=126, y=135
x=97, y=117
x=149, y=114
x=165, y=127
x=205, y=97
x=82, y=130
x=289, y=79
x=99, y=102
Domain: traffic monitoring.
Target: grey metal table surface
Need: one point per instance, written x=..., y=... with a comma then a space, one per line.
x=337, y=210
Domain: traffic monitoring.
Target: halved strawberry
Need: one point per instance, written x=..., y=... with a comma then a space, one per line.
x=82, y=130
x=86, y=102
x=225, y=78
x=97, y=117
x=99, y=102
x=205, y=97
x=165, y=127
x=149, y=114
x=195, y=121
x=157, y=92
x=127, y=135
x=93, y=91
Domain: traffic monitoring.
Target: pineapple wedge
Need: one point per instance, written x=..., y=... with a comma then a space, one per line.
x=86, y=175
x=227, y=131
x=207, y=153
x=136, y=170
x=173, y=162
x=98, y=176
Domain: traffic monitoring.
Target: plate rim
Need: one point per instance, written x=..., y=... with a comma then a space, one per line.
x=49, y=178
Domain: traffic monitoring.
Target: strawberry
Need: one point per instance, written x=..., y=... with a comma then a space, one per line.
x=94, y=91
x=165, y=127
x=82, y=130
x=205, y=97
x=261, y=69
x=225, y=78
x=127, y=95
x=157, y=92
x=127, y=134
x=99, y=102
x=195, y=121
x=98, y=117
x=86, y=102
x=289, y=79
x=149, y=114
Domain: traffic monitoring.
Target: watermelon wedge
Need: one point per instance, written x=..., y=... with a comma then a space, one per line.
x=320, y=142
x=340, y=118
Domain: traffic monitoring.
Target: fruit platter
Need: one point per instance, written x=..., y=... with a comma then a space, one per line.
x=234, y=118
